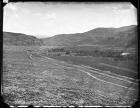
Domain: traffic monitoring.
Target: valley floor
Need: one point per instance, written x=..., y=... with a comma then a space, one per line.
x=30, y=78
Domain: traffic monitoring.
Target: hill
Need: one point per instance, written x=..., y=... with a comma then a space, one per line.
x=117, y=37
x=19, y=39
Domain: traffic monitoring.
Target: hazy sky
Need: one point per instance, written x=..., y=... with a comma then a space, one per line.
x=49, y=19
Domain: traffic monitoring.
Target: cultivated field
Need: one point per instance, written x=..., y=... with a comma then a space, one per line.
x=30, y=78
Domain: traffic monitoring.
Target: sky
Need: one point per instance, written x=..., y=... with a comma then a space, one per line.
x=45, y=19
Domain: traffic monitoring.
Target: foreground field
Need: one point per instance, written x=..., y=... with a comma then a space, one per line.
x=29, y=78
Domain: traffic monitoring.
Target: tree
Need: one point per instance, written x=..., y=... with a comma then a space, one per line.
x=67, y=52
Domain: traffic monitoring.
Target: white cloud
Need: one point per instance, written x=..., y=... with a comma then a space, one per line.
x=123, y=7
x=11, y=7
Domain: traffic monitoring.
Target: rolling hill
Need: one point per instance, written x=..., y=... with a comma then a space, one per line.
x=19, y=39
x=33, y=78
x=117, y=37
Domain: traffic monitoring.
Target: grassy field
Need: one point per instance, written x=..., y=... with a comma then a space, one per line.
x=29, y=78
x=95, y=62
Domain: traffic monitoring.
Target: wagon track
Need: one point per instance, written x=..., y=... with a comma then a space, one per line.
x=88, y=72
x=38, y=74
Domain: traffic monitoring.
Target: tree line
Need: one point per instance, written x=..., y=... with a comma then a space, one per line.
x=116, y=54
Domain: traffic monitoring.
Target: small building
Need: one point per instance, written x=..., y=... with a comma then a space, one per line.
x=123, y=54
x=72, y=54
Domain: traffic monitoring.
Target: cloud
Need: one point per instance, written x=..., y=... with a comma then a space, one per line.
x=11, y=11
x=11, y=7
x=123, y=7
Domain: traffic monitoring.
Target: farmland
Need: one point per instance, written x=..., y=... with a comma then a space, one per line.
x=125, y=68
x=31, y=78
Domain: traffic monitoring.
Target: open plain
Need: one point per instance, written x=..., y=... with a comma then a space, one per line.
x=31, y=78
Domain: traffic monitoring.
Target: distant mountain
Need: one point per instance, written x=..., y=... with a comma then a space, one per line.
x=117, y=37
x=20, y=39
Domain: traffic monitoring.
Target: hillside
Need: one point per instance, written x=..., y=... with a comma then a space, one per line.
x=33, y=77
x=20, y=39
x=117, y=37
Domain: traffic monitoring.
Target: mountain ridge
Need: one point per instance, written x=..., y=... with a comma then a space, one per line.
x=118, y=37
x=103, y=36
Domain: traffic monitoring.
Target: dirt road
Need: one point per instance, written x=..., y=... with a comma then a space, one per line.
x=30, y=78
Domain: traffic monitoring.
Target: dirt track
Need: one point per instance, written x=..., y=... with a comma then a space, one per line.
x=38, y=80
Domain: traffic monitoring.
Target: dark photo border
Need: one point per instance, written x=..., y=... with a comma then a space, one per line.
x=134, y=2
